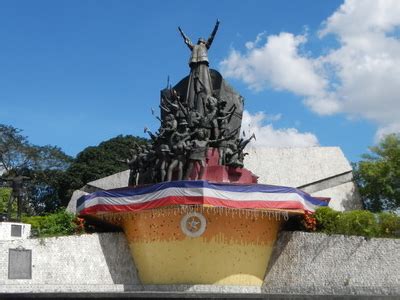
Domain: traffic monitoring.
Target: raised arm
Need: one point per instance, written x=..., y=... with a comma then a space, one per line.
x=170, y=103
x=183, y=109
x=186, y=39
x=228, y=115
x=227, y=137
x=213, y=33
x=245, y=142
x=153, y=137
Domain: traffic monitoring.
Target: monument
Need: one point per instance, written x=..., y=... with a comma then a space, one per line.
x=192, y=213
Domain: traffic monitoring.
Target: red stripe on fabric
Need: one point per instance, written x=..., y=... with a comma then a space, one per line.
x=185, y=200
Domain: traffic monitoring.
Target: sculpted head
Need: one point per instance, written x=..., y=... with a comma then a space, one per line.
x=201, y=41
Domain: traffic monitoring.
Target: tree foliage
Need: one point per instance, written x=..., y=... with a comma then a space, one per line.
x=42, y=164
x=378, y=175
x=4, y=195
x=17, y=154
x=96, y=162
x=53, y=174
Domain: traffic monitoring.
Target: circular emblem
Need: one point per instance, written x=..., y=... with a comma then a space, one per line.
x=193, y=224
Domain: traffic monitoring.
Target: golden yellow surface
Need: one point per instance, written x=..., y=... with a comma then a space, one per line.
x=233, y=250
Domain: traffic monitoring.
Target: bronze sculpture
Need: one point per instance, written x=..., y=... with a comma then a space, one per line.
x=18, y=192
x=200, y=83
x=194, y=117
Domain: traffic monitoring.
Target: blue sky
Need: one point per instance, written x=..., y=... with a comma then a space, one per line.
x=75, y=73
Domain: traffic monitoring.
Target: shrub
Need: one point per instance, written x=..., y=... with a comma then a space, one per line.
x=389, y=224
x=326, y=220
x=357, y=222
x=57, y=224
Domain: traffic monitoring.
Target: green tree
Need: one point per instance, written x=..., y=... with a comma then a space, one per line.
x=378, y=175
x=42, y=164
x=53, y=174
x=96, y=162
x=4, y=195
x=17, y=154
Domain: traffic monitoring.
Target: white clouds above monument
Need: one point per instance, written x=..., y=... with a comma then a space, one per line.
x=359, y=76
x=277, y=64
x=268, y=136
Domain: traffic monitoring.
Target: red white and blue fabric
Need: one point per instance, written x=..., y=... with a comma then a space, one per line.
x=239, y=196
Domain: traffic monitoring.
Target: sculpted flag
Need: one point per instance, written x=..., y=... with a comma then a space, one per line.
x=239, y=196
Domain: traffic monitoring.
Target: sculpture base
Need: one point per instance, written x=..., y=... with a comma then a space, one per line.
x=197, y=232
x=234, y=248
x=217, y=173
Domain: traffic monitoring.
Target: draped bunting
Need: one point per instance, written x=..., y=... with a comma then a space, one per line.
x=203, y=193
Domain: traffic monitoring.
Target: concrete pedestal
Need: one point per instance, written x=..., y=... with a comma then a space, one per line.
x=14, y=231
x=205, y=246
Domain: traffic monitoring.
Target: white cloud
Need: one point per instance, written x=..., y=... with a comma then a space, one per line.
x=250, y=45
x=367, y=62
x=360, y=78
x=277, y=63
x=392, y=128
x=268, y=136
x=273, y=118
x=356, y=17
x=280, y=65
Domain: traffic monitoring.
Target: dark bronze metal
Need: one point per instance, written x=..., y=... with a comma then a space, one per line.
x=201, y=111
x=18, y=192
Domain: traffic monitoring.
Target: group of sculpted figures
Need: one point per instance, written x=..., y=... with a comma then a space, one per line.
x=190, y=125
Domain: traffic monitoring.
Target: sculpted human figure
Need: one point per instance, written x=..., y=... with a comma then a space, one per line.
x=210, y=119
x=223, y=124
x=200, y=84
x=224, y=116
x=133, y=167
x=194, y=120
x=169, y=125
x=179, y=147
x=132, y=163
x=235, y=155
x=142, y=155
x=162, y=161
x=16, y=183
x=223, y=144
x=198, y=152
x=175, y=107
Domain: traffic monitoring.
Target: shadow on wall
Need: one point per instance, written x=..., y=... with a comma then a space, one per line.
x=352, y=200
x=118, y=258
x=279, y=247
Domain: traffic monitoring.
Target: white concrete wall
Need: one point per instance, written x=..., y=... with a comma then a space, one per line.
x=295, y=167
x=115, y=181
x=5, y=231
x=90, y=259
x=74, y=198
x=315, y=263
x=302, y=263
x=343, y=197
